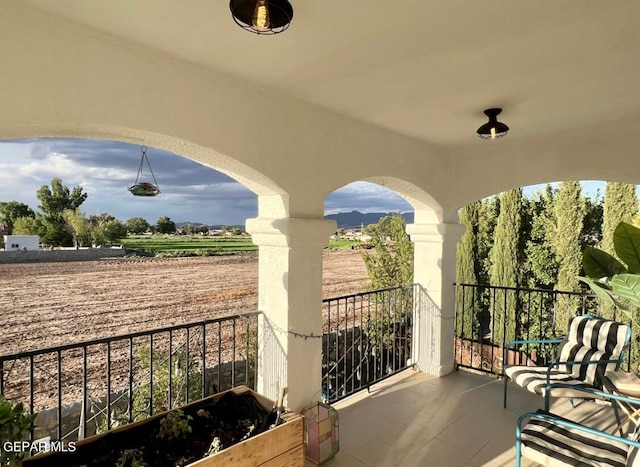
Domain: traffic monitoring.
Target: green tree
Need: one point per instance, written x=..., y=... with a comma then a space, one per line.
x=540, y=260
x=79, y=227
x=468, y=266
x=12, y=210
x=488, y=218
x=620, y=205
x=114, y=230
x=100, y=219
x=504, y=266
x=569, y=212
x=29, y=226
x=54, y=202
x=593, y=218
x=164, y=225
x=137, y=225
x=391, y=264
x=188, y=229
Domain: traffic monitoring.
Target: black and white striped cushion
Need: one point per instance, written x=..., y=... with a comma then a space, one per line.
x=592, y=339
x=599, y=334
x=589, y=339
x=554, y=445
x=534, y=379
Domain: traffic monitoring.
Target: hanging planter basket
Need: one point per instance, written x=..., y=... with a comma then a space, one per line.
x=140, y=188
x=144, y=189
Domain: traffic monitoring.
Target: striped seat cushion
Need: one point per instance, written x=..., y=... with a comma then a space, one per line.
x=592, y=339
x=589, y=339
x=534, y=379
x=550, y=444
x=591, y=374
x=599, y=334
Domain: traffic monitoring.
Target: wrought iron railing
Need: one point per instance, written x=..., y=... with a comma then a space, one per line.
x=95, y=385
x=367, y=337
x=487, y=317
x=92, y=386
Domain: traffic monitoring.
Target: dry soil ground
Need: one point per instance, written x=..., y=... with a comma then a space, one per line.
x=48, y=304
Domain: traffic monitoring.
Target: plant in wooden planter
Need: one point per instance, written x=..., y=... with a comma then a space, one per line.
x=236, y=424
x=14, y=426
x=170, y=384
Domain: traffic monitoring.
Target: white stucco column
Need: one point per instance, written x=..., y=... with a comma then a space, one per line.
x=435, y=273
x=290, y=296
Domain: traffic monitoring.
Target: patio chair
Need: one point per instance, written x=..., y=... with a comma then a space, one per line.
x=592, y=346
x=552, y=440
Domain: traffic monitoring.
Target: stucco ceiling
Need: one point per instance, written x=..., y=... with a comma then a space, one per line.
x=422, y=68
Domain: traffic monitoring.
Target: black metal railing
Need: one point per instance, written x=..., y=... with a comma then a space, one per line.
x=366, y=338
x=87, y=387
x=487, y=317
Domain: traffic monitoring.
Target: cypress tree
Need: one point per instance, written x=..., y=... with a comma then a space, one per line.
x=593, y=218
x=467, y=268
x=504, y=266
x=540, y=260
x=569, y=212
x=488, y=218
x=620, y=205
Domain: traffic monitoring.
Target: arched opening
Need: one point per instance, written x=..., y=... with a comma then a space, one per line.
x=368, y=310
x=204, y=207
x=171, y=303
x=355, y=207
x=519, y=261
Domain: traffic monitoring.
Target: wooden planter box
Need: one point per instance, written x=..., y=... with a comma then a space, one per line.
x=281, y=446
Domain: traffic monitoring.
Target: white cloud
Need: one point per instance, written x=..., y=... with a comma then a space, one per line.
x=365, y=197
x=189, y=191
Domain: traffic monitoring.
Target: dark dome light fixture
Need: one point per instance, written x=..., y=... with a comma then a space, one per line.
x=262, y=16
x=493, y=129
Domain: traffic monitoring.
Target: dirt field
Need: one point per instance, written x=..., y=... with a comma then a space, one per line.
x=48, y=304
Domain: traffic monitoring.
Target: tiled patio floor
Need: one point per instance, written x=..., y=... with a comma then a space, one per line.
x=413, y=419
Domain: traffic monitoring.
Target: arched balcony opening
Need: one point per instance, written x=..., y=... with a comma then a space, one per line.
x=519, y=260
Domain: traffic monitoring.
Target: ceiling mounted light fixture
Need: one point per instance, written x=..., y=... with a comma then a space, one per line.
x=262, y=16
x=493, y=129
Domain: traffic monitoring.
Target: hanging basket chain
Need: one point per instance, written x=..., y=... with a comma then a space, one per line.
x=146, y=158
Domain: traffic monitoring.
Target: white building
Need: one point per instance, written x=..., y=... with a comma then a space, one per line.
x=21, y=242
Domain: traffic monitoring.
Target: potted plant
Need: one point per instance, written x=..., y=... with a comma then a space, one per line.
x=14, y=425
x=232, y=425
x=611, y=280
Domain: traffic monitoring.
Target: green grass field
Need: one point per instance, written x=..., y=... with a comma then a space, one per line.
x=178, y=245
x=196, y=245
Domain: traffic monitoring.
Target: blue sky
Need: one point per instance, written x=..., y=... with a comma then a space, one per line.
x=190, y=192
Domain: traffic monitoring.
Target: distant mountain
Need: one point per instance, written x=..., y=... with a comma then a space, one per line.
x=345, y=220
x=355, y=219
